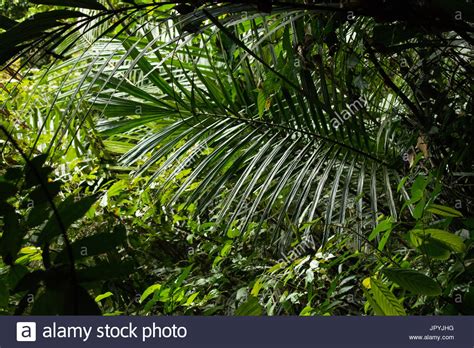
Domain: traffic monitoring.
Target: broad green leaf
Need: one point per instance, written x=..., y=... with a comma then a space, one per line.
x=442, y=210
x=226, y=249
x=150, y=290
x=103, y=296
x=306, y=311
x=159, y=295
x=382, y=226
x=256, y=287
x=419, y=208
x=385, y=299
x=116, y=188
x=191, y=299
x=372, y=302
x=418, y=188
x=436, y=250
x=450, y=240
x=384, y=239
x=430, y=247
x=413, y=281
x=182, y=277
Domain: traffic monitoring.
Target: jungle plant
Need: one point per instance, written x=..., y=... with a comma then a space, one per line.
x=434, y=272
x=260, y=86
x=43, y=271
x=225, y=134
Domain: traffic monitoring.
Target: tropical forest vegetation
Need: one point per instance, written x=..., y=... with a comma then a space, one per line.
x=268, y=158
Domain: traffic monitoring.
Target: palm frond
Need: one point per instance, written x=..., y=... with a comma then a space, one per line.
x=250, y=101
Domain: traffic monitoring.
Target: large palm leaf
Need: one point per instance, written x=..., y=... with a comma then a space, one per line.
x=243, y=106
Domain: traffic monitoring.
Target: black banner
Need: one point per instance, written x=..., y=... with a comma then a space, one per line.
x=327, y=332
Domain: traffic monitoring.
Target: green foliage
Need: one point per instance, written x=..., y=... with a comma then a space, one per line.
x=50, y=271
x=201, y=159
x=414, y=281
x=387, y=302
x=434, y=251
